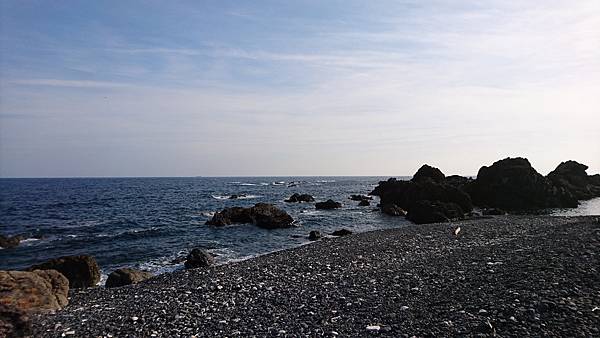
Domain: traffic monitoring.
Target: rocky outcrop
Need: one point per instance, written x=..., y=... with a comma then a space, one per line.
x=572, y=176
x=341, y=232
x=297, y=198
x=424, y=211
x=10, y=241
x=198, y=258
x=81, y=271
x=364, y=203
x=34, y=291
x=328, y=205
x=126, y=276
x=314, y=235
x=513, y=184
x=393, y=210
x=14, y=323
x=457, y=181
x=427, y=172
x=263, y=215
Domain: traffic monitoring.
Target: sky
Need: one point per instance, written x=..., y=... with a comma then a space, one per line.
x=307, y=87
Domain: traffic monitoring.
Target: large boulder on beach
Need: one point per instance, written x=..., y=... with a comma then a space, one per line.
x=34, y=291
x=14, y=322
x=198, y=258
x=572, y=176
x=126, y=276
x=328, y=205
x=8, y=242
x=427, y=172
x=297, y=198
x=424, y=211
x=81, y=271
x=513, y=184
x=268, y=216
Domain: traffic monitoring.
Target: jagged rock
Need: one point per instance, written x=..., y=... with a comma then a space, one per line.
x=360, y=198
x=198, y=258
x=126, y=276
x=341, y=232
x=81, y=271
x=572, y=176
x=424, y=211
x=364, y=203
x=34, y=291
x=14, y=323
x=512, y=184
x=428, y=172
x=262, y=215
x=296, y=198
x=393, y=210
x=8, y=242
x=314, y=235
x=327, y=205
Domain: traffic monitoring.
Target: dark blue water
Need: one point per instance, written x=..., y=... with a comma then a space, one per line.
x=149, y=222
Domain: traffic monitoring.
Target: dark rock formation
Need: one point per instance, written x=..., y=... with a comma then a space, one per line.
x=14, y=323
x=341, y=232
x=234, y=196
x=572, y=176
x=36, y=291
x=364, y=203
x=10, y=242
x=427, y=172
x=230, y=216
x=512, y=184
x=360, y=198
x=457, y=181
x=81, y=271
x=424, y=211
x=327, y=205
x=296, y=198
x=314, y=235
x=393, y=210
x=262, y=215
x=492, y=212
x=126, y=276
x=198, y=258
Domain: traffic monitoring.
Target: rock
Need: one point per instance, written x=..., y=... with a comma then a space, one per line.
x=457, y=181
x=81, y=271
x=364, y=203
x=492, y=212
x=434, y=212
x=14, y=322
x=572, y=176
x=296, y=198
x=360, y=198
x=342, y=232
x=427, y=172
x=327, y=205
x=393, y=210
x=234, y=196
x=314, y=235
x=512, y=184
x=262, y=215
x=34, y=291
x=198, y=258
x=230, y=216
x=8, y=242
x=126, y=276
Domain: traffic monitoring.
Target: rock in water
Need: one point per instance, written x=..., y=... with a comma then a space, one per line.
x=328, y=205
x=314, y=235
x=360, y=198
x=512, y=184
x=364, y=203
x=342, y=232
x=393, y=210
x=297, y=198
x=198, y=258
x=126, y=276
x=434, y=212
x=230, y=216
x=572, y=176
x=428, y=172
x=14, y=322
x=269, y=216
x=81, y=271
x=35, y=291
x=8, y=242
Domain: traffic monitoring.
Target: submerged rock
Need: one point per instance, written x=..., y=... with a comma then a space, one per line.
x=263, y=215
x=572, y=176
x=126, y=276
x=314, y=235
x=81, y=271
x=198, y=258
x=296, y=198
x=424, y=211
x=8, y=242
x=328, y=205
x=34, y=291
x=341, y=232
x=234, y=196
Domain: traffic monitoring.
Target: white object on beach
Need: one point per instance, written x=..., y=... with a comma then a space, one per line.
x=373, y=327
x=134, y=318
x=456, y=231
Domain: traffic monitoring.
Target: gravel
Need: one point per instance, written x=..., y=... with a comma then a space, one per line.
x=506, y=276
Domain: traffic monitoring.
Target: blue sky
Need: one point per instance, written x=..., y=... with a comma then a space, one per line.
x=149, y=88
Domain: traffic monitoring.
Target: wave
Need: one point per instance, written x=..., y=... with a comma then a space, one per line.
x=239, y=197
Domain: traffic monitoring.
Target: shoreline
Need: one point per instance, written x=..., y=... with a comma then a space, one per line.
x=496, y=276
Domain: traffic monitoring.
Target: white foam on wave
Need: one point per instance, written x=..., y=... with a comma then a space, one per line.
x=227, y=197
x=207, y=213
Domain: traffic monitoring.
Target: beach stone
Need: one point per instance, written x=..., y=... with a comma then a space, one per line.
x=572, y=176
x=364, y=203
x=427, y=172
x=14, y=322
x=8, y=242
x=341, y=232
x=296, y=198
x=393, y=210
x=126, y=276
x=81, y=271
x=328, y=205
x=34, y=291
x=198, y=258
x=268, y=216
x=314, y=235
x=434, y=212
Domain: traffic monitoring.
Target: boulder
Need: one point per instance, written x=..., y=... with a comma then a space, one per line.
x=297, y=198
x=360, y=198
x=457, y=181
x=513, y=184
x=364, y=203
x=230, y=216
x=393, y=210
x=424, y=211
x=492, y=212
x=314, y=235
x=8, y=242
x=14, y=322
x=572, y=176
x=427, y=172
x=126, y=276
x=198, y=258
x=81, y=271
x=328, y=205
x=34, y=291
x=268, y=216
x=341, y=232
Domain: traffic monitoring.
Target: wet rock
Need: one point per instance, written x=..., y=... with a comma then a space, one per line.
x=296, y=198
x=8, y=242
x=572, y=176
x=262, y=215
x=393, y=210
x=236, y=196
x=427, y=172
x=328, y=205
x=81, y=271
x=230, y=216
x=198, y=258
x=314, y=235
x=364, y=203
x=35, y=291
x=360, y=198
x=341, y=232
x=126, y=276
x=14, y=322
x=434, y=211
